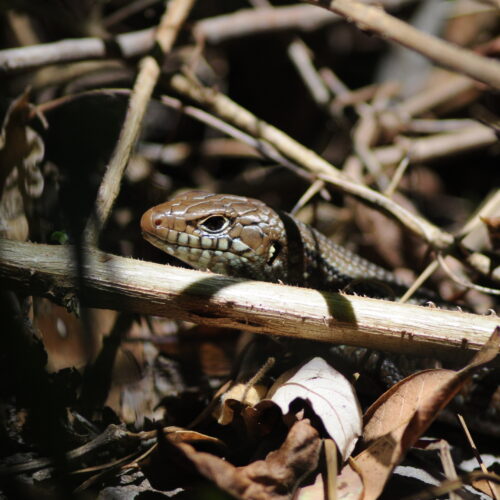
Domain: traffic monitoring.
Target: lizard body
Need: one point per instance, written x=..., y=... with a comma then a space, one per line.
x=243, y=237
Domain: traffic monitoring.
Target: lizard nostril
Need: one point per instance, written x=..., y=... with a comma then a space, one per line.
x=157, y=221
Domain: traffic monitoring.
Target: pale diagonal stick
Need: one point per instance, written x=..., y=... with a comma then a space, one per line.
x=235, y=114
x=242, y=118
x=175, y=14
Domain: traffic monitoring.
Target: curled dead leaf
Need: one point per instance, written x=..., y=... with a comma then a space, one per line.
x=330, y=395
x=275, y=477
x=400, y=416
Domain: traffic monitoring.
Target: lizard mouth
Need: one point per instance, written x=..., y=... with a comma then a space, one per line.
x=192, y=250
x=155, y=240
x=172, y=239
x=176, y=249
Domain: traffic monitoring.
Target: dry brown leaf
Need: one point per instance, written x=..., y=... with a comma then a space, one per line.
x=276, y=477
x=485, y=486
x=67, y=343
x=330, y=395
x=399, y=417
x=398, y=405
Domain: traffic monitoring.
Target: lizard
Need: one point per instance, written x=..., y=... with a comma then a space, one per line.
x=243, y=237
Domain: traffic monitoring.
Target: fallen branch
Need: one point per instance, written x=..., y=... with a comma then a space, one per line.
x=143, y=287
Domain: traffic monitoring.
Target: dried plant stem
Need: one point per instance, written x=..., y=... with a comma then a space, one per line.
x=300, y=56
x=247, y=22
x=33, y=56
x=462, y=281
x=448, y=87
x=422, y=278
x=332, y=468
x=143, y=287
x=494, y=490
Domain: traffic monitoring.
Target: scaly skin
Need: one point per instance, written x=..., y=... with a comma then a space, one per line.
x=239, y=236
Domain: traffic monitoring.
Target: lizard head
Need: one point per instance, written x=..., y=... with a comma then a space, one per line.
x=226, y=234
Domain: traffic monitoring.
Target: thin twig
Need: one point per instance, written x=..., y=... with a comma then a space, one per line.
x=332, y=468
x=398, y=175
x=447, y=486
x=494, y=489
x=257, y=377
x=247, y=22
x=137, y=43
x=299, y=55
x=448, y=88
x=31, y=57
x=311, y=191
x=365, y=134
x=422, y=278
x=462, y=281
x=436, y=146
x=423, y=126
x=439, y=261
x=489, y=208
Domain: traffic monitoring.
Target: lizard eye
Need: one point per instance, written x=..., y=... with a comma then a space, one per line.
x=215, y=224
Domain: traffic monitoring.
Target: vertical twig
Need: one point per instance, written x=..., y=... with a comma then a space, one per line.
x=150, y=67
